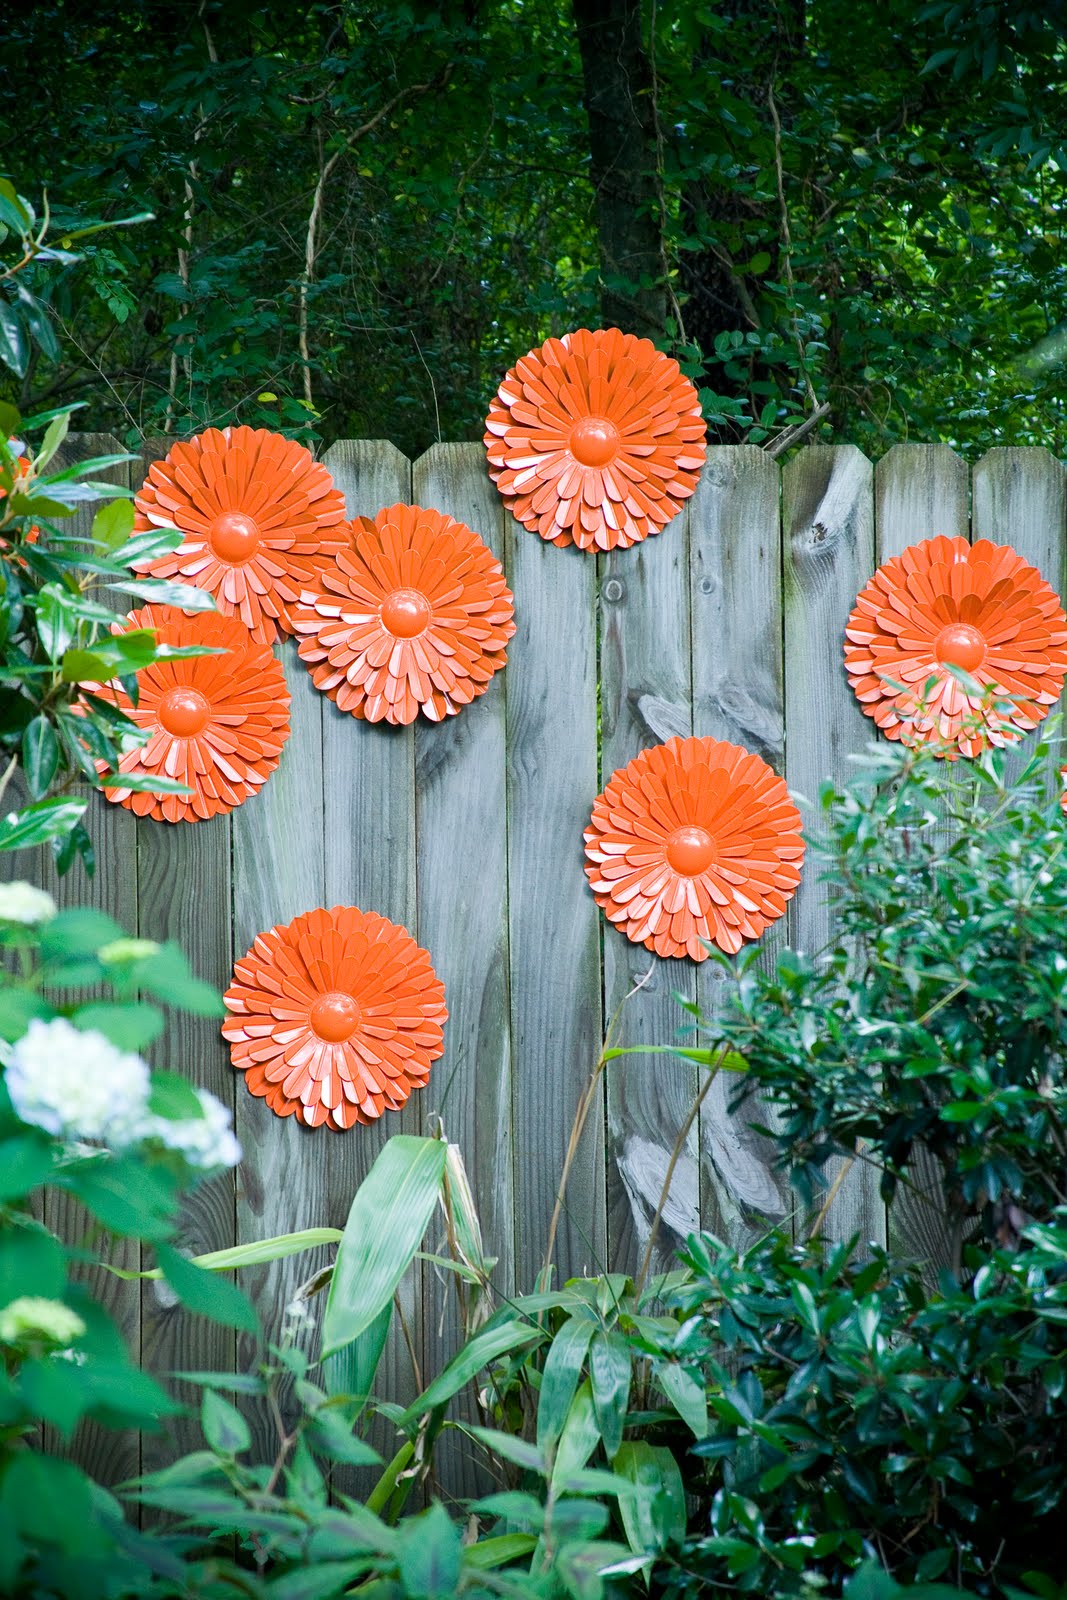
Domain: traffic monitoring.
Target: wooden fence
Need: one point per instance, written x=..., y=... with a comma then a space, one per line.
x=470, y=833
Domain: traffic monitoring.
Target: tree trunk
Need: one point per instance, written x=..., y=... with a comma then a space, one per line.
x=620, y=105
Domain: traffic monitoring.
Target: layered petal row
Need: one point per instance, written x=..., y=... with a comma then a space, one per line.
x=414, y=616
x=595, y=439
x=216, y=723
x=257, y=513
x=335, y=1017
x=945, y=603
x=695, y=842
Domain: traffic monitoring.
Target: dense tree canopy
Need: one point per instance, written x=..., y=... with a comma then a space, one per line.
x=363, y=213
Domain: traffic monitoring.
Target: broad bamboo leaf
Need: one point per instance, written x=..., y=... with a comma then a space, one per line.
x=389, y=1215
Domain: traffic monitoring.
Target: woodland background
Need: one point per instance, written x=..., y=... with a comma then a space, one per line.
x=844, y=218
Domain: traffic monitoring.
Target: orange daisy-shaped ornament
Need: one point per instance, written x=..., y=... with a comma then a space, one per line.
x=945, y=603
x=695, y=842
x=257, y=514
x=335, y=1017
x=413, y=617
x=595, y=439
x=216, y=723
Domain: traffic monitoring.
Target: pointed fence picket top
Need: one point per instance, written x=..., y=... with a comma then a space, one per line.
x=729, y=623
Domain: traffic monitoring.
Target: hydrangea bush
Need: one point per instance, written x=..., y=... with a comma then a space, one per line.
x=83, y=1115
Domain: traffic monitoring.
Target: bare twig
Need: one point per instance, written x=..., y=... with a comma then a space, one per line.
x=311, y=238
x=787, y=242
x=832, y=1194
x=185, y=249
x=679, y=1146
x=578, y=1127
x=793, y=435
x=8, y=774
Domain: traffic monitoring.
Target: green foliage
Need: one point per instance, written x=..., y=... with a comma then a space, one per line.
x=934, y=1020
x=57, y=647
x=84, y=1125
x=904, y=266
x=854, y=1410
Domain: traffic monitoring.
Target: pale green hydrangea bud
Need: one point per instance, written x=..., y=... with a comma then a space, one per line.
x=31, y=1319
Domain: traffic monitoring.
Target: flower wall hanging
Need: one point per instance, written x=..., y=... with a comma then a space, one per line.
x=945, y=603
x=413, y=617
x=257, y=513
x=217, y=723
x=694, y=842
x=595, y=439
x=335, y=1017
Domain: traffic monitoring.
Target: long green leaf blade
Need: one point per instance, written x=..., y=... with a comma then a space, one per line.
x=389, y=1215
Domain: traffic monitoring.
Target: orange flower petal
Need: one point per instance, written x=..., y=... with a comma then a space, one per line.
x=945, y=603
x=594, y=439
x=694, y=842
x=257, y=513
x=336, y=1016
x=217, y=723
x=413, y=616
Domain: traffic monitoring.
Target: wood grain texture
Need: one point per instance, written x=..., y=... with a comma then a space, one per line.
x=470, y=835
x=368, y=780
x=461, y=827
x=553, y=919
x=828, y=523
x=278, y=874
x=1019, y=499
x=646, y=696
x=920, y=491
x=738, y=696
x=184, y=894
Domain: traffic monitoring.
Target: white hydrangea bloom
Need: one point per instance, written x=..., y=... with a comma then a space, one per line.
x=206, y=1142
x=22, y=902
x=78, y=1085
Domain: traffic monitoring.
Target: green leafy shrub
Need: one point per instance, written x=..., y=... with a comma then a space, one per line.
x=856, y=1413
x=936, y=1020
x=84, y=1120
x=56, y=643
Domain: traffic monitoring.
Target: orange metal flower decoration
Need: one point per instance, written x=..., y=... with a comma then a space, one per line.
x=217, y=723
x=414, y=617
x=694, y=842
x=257, y=514
x=336, y=1017
x=595, y=439
x=946, y=603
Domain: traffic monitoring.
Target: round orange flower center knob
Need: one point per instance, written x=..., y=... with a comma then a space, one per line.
x=405, y=613
x=960, y=645
x=690, y=851
x=183, y=712
x=593, y=441
x=233, y=536
x=334, y=1017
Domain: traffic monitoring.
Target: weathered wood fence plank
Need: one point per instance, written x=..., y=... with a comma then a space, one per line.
x=554, y=924
x=461, y=829
x=921, y=490
x=368, y=789
x=645, y=697
x=738, y=696
x=828, y=520
x=277, y=874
